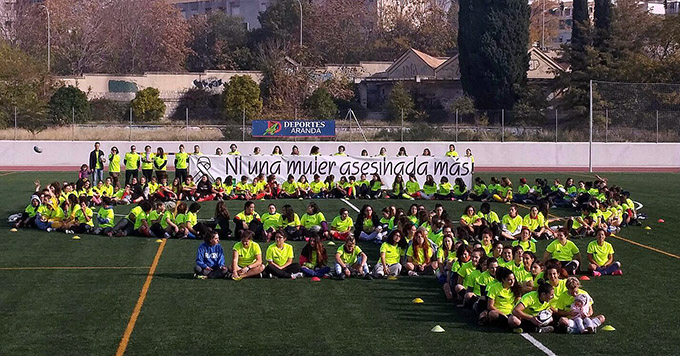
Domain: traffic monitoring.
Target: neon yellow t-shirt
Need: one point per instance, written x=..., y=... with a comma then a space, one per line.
x=342, y=225
x=289, y=188
x=248, y=255
x=451, y=257
x=526, y=245
x=561, y=252
x=147, y=165
x=512, y=224
x=279, y=255
x=392, y=253
x=421, y=258
x=114, y=163
x=181, y=159
x=503, y=299
x=271, y=221
x=412, y=187
x=600, y=253
x=247, y=218
x=348, y=258
x=311, y=220
x=131, y=161
x=532, y=303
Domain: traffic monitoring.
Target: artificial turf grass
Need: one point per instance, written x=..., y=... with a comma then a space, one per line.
x=380, y=318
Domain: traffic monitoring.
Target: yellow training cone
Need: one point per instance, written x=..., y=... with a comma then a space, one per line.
x=76, y=237
x=159, y=240
x=392, y=278
x=647, y=228
x=417, y=301
x=437, y=329
x=331, y=243
x=13, y=229
x=608, y=328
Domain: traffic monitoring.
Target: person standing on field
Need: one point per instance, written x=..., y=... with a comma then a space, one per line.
x=131, y=162
x=97, y=160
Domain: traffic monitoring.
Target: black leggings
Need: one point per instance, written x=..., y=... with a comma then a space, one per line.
x=254, y=226
x=129, y=173
x=282, y=273
x=181, y=173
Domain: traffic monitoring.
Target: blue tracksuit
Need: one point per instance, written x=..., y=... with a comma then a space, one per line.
x=210, y=256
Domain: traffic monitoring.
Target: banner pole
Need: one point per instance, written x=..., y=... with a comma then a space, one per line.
x=243, y=129
x=590, y=137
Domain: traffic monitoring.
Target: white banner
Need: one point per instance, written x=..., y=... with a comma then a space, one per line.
x=282, y=166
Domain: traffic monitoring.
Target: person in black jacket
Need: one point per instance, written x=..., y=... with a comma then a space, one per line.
x=97, y=160
x=367, y=226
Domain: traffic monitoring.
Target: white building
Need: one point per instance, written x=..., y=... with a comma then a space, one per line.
x=248, y=10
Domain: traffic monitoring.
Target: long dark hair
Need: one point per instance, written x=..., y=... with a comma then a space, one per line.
x=221, y=210
x=287, y=213
x=503, y=273
x=321, y=256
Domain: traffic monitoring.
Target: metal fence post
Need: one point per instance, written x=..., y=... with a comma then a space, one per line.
x=502, y=125
x=456, y=125
x=73, y=120
x=15, y=123
x=606, y=125
x=402, y=125
x=130, y=134
x=555, y=125
x=186, y=130
x=243, y=128
x=590, y=137
x=657, y=126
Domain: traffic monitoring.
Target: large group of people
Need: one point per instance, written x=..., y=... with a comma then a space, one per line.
x=484, y=260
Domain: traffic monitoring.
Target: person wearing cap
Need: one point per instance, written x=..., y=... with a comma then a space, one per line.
x=522, y=191
x=28, y=216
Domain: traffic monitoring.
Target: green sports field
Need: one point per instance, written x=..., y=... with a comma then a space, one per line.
x=60, y=311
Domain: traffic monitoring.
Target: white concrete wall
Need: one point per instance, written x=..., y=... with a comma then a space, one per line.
x=508, y=156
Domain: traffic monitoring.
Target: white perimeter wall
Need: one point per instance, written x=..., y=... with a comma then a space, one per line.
x=509, y=155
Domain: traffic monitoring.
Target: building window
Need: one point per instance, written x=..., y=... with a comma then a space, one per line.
x=567, y=11
x=235, y=10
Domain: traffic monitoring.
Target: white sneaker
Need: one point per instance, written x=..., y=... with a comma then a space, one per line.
x=49, y=229
x=296, y=275
x=69, y=231
x=412, y=273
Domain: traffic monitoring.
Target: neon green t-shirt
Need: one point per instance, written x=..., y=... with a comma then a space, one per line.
x=248, y=255
x=392, y=253
x=412, y=187
x=114, y=163
x=289, y=188
x=348, y=258
x=279, y=255
x=526, y=245
x=561, y=252
x=532, y=303
x=131, y=161
x=503, y=299
x=271, y=221
x=181, y=160
x=420, y=258
x=311, y=220
x=600, y=253
x=342, y=225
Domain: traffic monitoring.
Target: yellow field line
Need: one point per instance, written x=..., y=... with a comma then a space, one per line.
x=623, y=239
x=140, y=301
x=68, y=268
x=645, y=246
x=6, y=174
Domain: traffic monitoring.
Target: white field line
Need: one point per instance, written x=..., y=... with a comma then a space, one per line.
x=536, y=343
x=350, y=204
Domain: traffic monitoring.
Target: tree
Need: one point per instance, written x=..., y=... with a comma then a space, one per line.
x=201, y=104
x=241, y=95
x=400, y=102
x=147, y=105
x=280, y=22
x=285, y=84
x=580, y=29
x=544, y=21
x=123, y=36
x=422, y=24
x=493, y=41
x=320, y=105
x=603, y=23
x=24, y=87
x=69, y=105
x=218, y=41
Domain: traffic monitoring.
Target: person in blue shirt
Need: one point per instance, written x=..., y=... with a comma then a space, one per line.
x=210, y=258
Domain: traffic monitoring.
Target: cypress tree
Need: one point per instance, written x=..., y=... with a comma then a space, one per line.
x=603, y=23
x=493, y=40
